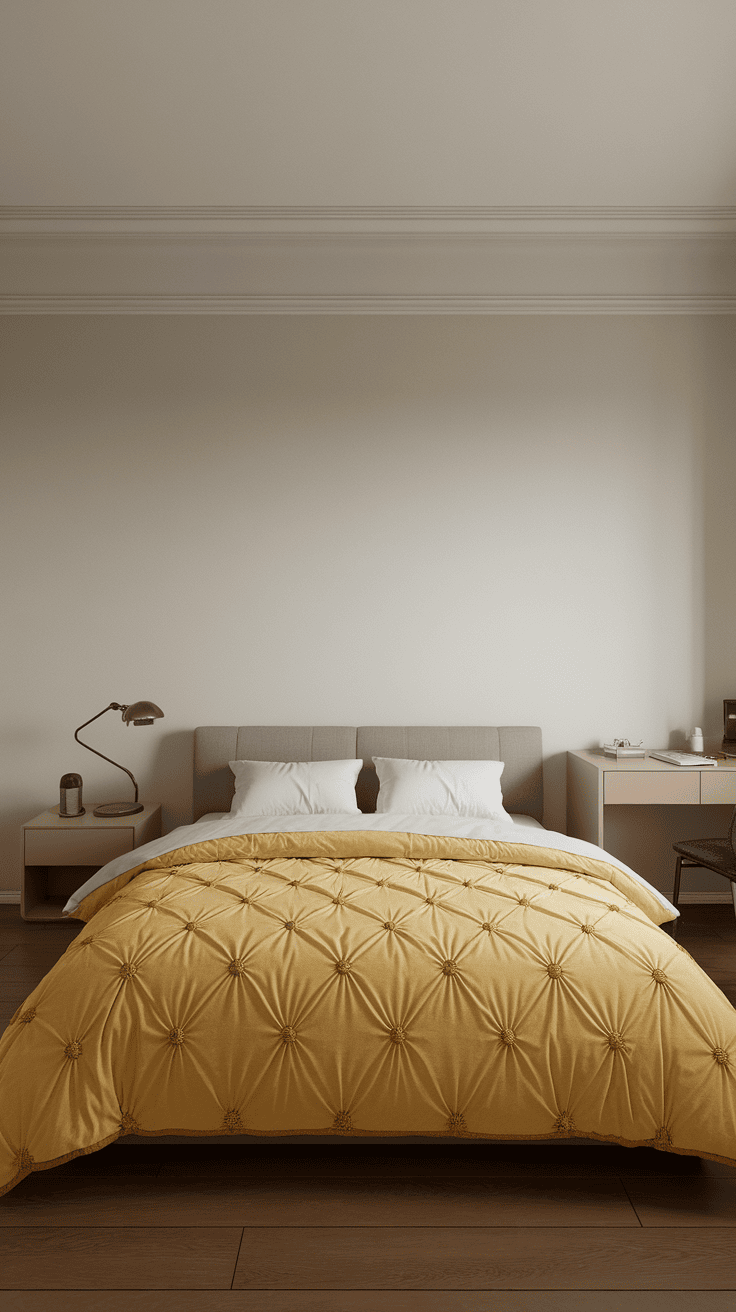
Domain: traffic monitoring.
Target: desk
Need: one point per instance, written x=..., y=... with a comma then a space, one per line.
x=595, y=781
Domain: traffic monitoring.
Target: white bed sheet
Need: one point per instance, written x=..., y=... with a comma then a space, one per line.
x=518, y=829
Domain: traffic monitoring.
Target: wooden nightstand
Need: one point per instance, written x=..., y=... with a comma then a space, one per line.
x=58, y=855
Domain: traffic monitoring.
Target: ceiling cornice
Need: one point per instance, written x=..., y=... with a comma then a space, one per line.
x=368, y=218
x=369, y=260
x=228, y=303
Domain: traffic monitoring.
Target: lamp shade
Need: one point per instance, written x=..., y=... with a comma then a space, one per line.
x=142, y=713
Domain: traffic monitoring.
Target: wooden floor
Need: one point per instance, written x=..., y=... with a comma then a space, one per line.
x=349, y=1228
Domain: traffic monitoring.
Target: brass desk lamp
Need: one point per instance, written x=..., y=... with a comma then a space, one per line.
x=138, y=713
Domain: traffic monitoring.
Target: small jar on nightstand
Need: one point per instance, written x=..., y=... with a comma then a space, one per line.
x=59, y=853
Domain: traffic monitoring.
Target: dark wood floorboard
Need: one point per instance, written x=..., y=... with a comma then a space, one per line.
x=355, y=1300
x=684, y=1201
x=118, y=1257
x=481, y=1258
x=361, y=1201
x=363, y=1228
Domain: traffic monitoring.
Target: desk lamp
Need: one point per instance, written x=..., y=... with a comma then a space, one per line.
x=138, y=713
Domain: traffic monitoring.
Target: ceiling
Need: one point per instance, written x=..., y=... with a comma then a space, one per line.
x=322, y=126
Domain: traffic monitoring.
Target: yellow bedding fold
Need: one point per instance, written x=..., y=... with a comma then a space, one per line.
x=388, y=845
x=370, y=984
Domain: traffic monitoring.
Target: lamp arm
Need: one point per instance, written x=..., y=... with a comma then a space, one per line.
x=114, y=706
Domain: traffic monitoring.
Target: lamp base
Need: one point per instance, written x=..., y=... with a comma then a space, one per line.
x=118, y=808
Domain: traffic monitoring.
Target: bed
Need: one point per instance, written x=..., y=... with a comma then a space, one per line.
x=368, y=974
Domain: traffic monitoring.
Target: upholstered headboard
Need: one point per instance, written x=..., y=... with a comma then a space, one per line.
x=520, y=747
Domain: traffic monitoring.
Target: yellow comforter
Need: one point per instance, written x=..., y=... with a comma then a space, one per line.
x=369, y=984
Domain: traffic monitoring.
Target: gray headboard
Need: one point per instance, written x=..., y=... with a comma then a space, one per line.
x=520, y=747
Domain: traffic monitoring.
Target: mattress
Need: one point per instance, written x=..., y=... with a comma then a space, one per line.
x=373, y=977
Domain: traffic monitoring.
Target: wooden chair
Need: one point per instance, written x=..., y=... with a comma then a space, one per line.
x=718, y=854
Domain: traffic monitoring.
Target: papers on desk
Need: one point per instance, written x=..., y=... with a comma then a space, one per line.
x=684, y=758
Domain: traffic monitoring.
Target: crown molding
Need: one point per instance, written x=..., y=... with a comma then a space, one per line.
x=367, y=272
x=352, y=304
x=367, y=218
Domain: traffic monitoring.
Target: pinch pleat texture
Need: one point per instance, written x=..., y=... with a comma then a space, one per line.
x=371, y=985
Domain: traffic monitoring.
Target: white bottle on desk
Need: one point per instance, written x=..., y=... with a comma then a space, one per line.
x=695, y=741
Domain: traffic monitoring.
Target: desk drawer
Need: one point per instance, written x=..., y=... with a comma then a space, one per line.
x=53, y=847
x=718, y=786
x=651, y=788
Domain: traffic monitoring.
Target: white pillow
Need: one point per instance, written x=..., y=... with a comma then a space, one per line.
x=294, y=787
x=440, y=787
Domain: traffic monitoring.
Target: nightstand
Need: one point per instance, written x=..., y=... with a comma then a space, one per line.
x=58, y=855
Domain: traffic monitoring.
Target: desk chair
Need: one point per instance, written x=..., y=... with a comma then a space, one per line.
x=717, y=854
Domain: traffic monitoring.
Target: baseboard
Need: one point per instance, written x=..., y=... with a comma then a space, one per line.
x=9, y=895
x=704, y=898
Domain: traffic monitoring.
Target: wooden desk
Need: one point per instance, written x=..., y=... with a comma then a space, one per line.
x=595, y=781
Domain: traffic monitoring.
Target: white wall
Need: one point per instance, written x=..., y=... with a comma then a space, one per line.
x=357, y=520
x=363, y=519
